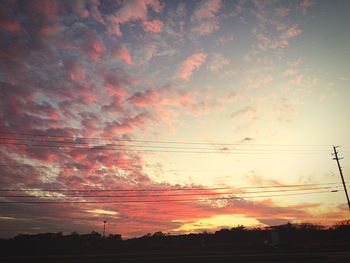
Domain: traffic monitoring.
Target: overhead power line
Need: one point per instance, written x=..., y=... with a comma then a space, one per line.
x=152, y=141
x=171, y=195
x=89, y=145
x=66, y=143
x=165, y=189
x=158, y=200
x=169, y=149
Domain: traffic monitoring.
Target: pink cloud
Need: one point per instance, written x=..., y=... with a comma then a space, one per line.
x=115, y=84
x=293, y=32
x=79, y=7
x=95, y=12
x=125, y=55
x=256, y=80
x=12, y=26
x=282, y=11
x=154, y=26
x=167, y=103
x=96, y=48
x=204, y=17
x=75, y=71
x=305, y=5
x=145, y=98
x=217, y=63
x=125, y=125
x=206, y=9
x=132, y=11
x=225, y=39
x=49, y=30
x=205, y=27
x=165, y=96
x=50, y=9
x=86, y=95
x=266, y=41
x=190, y=65
x=271, y=18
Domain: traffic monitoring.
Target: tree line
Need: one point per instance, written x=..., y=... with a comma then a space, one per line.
x=303, y=236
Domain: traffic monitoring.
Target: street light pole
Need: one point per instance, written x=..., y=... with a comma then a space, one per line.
x=104, y=227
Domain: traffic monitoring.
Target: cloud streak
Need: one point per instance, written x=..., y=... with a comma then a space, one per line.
x=191, y=64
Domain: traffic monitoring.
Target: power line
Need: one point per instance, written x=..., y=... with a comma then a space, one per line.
x=85, y=141
x=151, y=141
x=13, y=141
x=154, y=201
x=217, y=151
x=115, y=168
x=89, y=145
x=72, y=167
x=158, y=195
x=164, y=189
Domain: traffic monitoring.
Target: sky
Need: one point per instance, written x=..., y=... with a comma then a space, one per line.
x=194, y=115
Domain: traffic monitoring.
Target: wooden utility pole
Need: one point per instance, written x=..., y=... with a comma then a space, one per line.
x=341, y=173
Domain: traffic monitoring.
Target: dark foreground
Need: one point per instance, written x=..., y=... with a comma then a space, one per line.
x=339, y=256
x=284, y=243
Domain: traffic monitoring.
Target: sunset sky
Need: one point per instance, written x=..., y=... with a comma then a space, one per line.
x=231, y=107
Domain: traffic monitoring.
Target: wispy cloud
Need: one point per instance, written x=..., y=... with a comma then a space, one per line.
x=123, y=53
x=154, y=26
x=204, y=18
x=305, y=5
x=191, y=64
x=133, y=11
x=246, y=112
x=217, y=62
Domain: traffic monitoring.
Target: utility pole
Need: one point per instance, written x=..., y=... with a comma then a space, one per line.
x=341, y=173
x=104, y=227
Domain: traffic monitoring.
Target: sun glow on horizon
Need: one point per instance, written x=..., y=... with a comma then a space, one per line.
x=216, y=222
